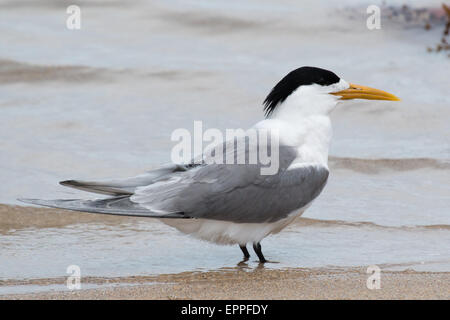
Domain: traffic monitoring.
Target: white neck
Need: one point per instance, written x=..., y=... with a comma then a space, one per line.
x=303, y=121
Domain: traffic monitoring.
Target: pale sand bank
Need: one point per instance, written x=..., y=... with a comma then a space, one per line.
x=255, y=284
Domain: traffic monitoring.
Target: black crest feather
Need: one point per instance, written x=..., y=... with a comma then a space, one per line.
x=295, y=79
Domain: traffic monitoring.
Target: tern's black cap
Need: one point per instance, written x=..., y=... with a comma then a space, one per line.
x=293, y=80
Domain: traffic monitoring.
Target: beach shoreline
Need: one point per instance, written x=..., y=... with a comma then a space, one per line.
x=258, y=283
x=246, y=280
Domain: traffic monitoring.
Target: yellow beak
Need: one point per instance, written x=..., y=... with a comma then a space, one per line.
x=361, y=92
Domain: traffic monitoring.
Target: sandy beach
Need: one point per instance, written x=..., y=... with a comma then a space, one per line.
x=256, y=284
x=246, y=280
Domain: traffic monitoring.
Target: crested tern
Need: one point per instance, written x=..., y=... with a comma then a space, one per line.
x=232, y=203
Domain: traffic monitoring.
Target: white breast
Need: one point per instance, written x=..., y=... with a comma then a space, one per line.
x=228, y=233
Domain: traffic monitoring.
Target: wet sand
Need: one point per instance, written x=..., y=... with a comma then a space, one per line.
x=258, y=283
x=20, y=217
x=247, y=280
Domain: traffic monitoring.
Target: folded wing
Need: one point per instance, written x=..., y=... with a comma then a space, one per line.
x=228, y=192
x=120, y=187
x=121, y=206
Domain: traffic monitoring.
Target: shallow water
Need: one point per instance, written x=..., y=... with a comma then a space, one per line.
x=102, y=102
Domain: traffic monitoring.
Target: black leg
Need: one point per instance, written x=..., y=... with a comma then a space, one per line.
x=245, y=251
x=257, y=248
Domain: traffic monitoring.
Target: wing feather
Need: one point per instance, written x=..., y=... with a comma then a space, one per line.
x=119, y=187
x=115, y=206
x=237, y=192
x=229, y=192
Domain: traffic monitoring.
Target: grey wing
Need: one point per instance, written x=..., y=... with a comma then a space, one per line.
x=119, y=187
x=121, y=206
x=127, y=186
x=236, y=193
x=269, y=198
